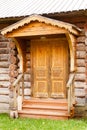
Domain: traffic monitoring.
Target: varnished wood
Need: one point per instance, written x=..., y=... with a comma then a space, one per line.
x=45, y=108
x=50, y=68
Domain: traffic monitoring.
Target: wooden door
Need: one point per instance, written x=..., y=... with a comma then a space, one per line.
x=59, y=68
x=40, y=56
x=50, y=68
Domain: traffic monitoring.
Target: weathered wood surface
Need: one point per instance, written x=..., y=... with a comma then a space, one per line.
x=79, y=84
x=4, y=77
x=4, y=64
x=81, y=69
x=81, y=54
x=4, y=57
x=80, y=62
x=4, y=99
x=4, y=91
x=80, y=77
x=80, y=47
x=80, y=92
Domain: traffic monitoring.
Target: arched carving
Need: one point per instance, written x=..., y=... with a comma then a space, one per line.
x=71, y=41
x=21, y=52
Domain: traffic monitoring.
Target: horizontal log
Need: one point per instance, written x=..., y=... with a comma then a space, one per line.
x=4, y=106
x=12, y=45
x=4, y=111
x=27, y=92
x=4, y=51
x=4, y=77
x=27, y=77
x=4, y=91
x=81, y=39
x=80, y=62
x=28, y=64
x=81, y=69
x=4, y=57
x=11, y=80
x=4, y=99
x=80, y=47
x=79, y=84
x=81, y=54
x=5, y=83
x=12, y=67
x=80, y=101
x=12, y=59
x=4, y=64
x=26, y=84
x=80, y=77
x=86, y=41
x=28, y=56
x=13, y=52
x=13, y=73
x=27, y=97
x=4, y=70
x=28, y=70
x=79, y=92
x=3, y=44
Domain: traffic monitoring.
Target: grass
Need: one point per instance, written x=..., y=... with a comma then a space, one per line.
x=7, y=123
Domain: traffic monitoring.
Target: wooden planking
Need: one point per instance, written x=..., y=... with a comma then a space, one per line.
x=4, y=77
x=4, y=91
x=45, y=108
x=4, y=106
x=4, y=99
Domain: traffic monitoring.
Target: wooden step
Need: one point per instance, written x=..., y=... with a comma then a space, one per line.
x=44, y=112
x=43, y=117
x=45, y=108
x=38, y=106
x=62, y=102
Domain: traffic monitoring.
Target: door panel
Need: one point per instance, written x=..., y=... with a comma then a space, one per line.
x=40, y=67
x=58, y=61
x=50, y=68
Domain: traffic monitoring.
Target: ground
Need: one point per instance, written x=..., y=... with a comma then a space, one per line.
x=7, y=123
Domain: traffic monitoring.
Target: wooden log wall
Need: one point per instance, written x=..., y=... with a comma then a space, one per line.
x=80, y=82
x=27, y=73
x=81, y=75
x=4, y=75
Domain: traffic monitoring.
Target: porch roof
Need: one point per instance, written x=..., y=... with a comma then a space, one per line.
x=70, y=27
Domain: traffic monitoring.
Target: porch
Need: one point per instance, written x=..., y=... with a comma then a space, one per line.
x=52, y=68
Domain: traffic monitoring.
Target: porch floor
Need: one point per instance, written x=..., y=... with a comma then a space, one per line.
x=45, y=108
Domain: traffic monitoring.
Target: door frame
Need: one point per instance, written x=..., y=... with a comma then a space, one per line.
x=32, y=74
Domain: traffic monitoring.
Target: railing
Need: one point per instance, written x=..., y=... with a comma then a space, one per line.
x=70, y=86
x=18, y=92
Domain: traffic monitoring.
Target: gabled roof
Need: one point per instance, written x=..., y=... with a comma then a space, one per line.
x=70, y=27
x=14, y=8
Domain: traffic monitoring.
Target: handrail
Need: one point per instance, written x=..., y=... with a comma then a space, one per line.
x=71, y=78
x=70, y=91
x=17, y=80
x=17, y=102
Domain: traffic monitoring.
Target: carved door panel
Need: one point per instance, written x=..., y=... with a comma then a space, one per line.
x=58, y=68
x=50, y=68
x=40, y=68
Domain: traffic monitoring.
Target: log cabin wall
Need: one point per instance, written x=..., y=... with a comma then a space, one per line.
x=27, y=75
x=80, y=82
x=4, y=75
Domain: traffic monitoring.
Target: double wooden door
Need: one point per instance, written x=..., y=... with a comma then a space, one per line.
x=49, y=68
